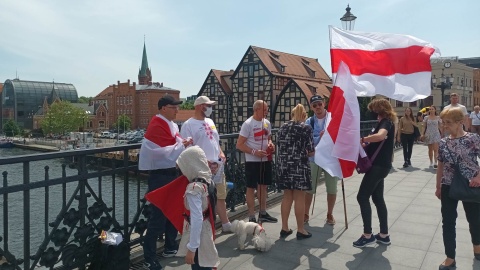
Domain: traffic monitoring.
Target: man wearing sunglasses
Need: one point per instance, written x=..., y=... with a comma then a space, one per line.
x=318, y=124
x=159, y=152
x=204, y=133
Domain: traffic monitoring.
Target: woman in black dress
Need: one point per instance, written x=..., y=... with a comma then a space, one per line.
x=295, y=145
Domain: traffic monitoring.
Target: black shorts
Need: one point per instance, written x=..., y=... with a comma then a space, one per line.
x=258, y=173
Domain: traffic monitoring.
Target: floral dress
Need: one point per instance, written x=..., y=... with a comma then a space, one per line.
x=294, y=141
x=432, y=134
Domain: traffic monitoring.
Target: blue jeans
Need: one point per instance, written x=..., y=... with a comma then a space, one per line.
x=158, y=223
x=197, y=266
x=372, y=186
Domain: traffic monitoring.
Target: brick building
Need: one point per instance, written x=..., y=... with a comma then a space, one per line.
x=137, y=101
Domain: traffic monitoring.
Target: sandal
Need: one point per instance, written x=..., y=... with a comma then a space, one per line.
x=330, y=220
x=306, y=218
x=284, y=233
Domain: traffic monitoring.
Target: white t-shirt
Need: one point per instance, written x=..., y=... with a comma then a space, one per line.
x=204, y=134
x=475, y=118
x=255, y=131
x=457, y=106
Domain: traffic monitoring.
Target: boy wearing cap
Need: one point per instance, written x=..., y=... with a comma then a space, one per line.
x=318, y=124
x=158, y=154
x=204, y=133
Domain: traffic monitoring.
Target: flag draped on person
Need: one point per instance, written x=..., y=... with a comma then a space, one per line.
x=368, y=64
x=392, y=65
x=337, y=151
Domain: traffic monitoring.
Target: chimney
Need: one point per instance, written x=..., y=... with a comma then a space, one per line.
x=128, y=81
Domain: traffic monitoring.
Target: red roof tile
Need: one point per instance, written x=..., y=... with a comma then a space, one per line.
x=224, y=78
x=322, y=89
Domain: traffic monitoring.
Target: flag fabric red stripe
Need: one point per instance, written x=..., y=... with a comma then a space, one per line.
x=336, y=107
x=159, y=132
x=384, y=62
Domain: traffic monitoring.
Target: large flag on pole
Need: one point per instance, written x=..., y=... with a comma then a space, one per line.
x=337, y=151
x=392, y=65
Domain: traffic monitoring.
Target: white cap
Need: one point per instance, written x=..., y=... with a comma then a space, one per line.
x=203, y=100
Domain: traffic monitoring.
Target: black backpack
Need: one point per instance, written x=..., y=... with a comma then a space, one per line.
x=107, y=257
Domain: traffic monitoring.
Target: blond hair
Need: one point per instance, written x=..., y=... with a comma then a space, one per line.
x=299, y=114
x=454, y=114
x=383, y=108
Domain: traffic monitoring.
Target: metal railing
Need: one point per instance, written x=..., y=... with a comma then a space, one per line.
x=55, y=204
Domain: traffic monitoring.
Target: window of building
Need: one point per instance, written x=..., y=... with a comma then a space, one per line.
x=413, y=104
x=250, y=99
x=212, y=79
x=250, y=71
x=250, y=57
x=220, y=100
x=212, y=90
x=398, y=103
x=287, y=102
x=240, y=82
x=101, y=124
x=239, y=111
x=261, y=95
x=250, y=85
x=255, y=67
x=260, y=81
x=240, y=97
x=245, y=68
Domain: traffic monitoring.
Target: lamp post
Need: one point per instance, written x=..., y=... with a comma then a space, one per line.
x=445, y=82
x=348, y=20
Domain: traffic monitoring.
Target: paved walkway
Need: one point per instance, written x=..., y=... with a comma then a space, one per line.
x=414, y=220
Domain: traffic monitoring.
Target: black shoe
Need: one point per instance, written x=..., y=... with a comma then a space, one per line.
x=382, y=240
x=447, y=267
x=301, y=236
x=409, y=163
x=284, y=234
x=252, y=219
x=267, y=218
x=405, y=165
x=152, y=265
x=363, y=241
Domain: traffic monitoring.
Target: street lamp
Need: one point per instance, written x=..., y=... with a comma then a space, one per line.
x=445, y=82
x=348, y=19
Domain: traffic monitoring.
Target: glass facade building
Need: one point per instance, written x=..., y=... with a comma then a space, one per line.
x=21, y=99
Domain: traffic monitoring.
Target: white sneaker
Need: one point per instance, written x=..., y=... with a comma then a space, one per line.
x=431, y=164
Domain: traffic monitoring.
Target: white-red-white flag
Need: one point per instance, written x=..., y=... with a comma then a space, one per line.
x=338, y=149
x=392, y=65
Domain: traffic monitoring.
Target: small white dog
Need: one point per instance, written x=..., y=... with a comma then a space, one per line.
x=259, y=237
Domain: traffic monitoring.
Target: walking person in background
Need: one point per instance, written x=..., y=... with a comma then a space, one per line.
x=295, y=146
x=159, y=152
x=463, y=148
x=204, y=134
x=318, y=124
x=406, y=136
x=454, y=104
x=432, y=134
x=373, y=181
x=420, y=124
x=475, y=120
x=255, y=140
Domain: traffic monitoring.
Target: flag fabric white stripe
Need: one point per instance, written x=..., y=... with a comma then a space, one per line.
x=404, y=87
x=371, y=41
x=323, y=157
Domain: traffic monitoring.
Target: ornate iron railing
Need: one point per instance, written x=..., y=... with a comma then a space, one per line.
x=55, y=204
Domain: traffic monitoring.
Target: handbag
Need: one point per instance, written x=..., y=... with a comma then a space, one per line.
x=364, y=164
x=459, y=188
x=416, y=132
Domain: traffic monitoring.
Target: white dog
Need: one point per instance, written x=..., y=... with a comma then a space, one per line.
x=242, y=229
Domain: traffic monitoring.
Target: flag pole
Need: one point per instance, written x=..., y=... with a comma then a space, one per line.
x=344, y=206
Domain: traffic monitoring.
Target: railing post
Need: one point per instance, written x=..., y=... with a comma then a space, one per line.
x=26, y=215
x=82, y=202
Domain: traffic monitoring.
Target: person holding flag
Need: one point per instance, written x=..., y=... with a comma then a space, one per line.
x=158, y=154
x=372, y=185
x=318, y=123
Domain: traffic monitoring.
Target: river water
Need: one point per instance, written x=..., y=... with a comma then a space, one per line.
x=15, y=212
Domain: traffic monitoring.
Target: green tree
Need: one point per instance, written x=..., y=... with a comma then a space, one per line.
x=187, y=105
x=84, y=99
x=11, y=128
x=63, y=117
x=123, y=123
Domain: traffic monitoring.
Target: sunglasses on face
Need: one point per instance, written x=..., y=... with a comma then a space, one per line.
x=315, y=105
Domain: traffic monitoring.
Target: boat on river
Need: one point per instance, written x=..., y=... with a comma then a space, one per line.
x=6, y=143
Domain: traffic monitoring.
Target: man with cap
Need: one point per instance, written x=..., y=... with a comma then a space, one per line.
x=204, y=133
x=318, y=124
x=159, y=152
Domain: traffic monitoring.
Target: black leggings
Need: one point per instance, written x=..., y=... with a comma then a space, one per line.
x=407, y=143
x=372, y=186
x=449, y=217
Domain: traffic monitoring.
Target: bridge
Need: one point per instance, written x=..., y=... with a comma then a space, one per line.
x=51, y=217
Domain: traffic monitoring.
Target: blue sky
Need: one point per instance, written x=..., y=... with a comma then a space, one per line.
x=93, y=44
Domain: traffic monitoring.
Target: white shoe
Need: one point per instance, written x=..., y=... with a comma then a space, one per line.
x=431, y=165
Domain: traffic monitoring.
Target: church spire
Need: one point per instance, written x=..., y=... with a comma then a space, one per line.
x=144, y=74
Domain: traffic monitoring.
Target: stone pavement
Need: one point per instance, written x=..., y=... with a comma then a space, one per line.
x=414, y=222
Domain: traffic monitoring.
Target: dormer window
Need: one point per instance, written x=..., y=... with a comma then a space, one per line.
x=282, y=69
x=305, y=62
x=276, y=56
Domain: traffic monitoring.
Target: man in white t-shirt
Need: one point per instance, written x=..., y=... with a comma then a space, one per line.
x=255, y=140
x=454, y=104
x=204, y=134
x=475, y=120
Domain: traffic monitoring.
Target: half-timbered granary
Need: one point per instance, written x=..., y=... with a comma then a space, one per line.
x=281, y=79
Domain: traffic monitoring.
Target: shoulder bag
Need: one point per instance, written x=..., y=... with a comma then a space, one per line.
x=459, y=188
x=364, y=164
